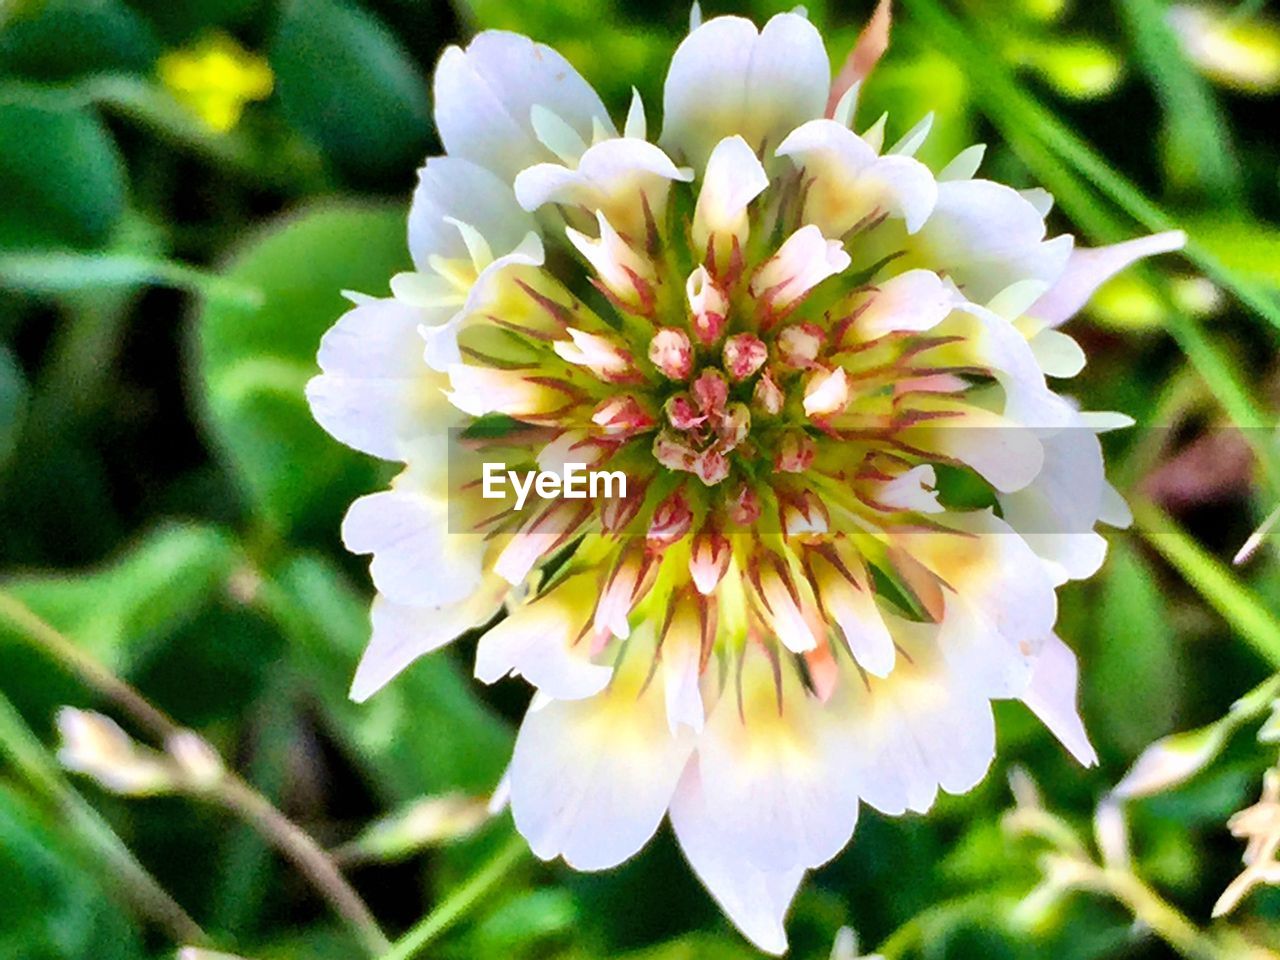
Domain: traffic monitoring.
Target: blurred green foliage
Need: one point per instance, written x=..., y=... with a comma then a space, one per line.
x=169, y=504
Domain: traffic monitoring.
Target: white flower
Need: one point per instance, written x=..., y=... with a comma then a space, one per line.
x=788, y=615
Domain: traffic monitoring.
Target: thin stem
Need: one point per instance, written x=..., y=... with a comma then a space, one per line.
x=455, y=906
x=233, y=792
x=41, y=771
x=1164, y=920
x=93, y=673
x=310, y=859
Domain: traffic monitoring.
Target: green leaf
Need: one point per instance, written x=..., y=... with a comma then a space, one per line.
x=1134, y=644
x=347, y=84
x=426, y=733
x=64, y=180
x=13, y=403
x=1251, y=248
x=1198, y=149
x=61, y=271
x=118, y=611
x=254, y=364
x=1016, y=112
x=55, y=905
x=69, y=38
x=1213, y=580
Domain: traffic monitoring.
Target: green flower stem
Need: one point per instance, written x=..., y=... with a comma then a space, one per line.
x=33, y=762
x=230, y=790
x=458, y=903
x=1212, y=579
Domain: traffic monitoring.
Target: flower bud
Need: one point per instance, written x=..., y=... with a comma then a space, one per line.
x=97, y=747
x=622, y=416
x=198, y=762
x=672, y=519
x=709, y=560
x=683, y=413
x=605, y=356
x=672, y=452
x=707, y=304
x=671, y=352
x=734, y=425
x=425, y=823
x=711, y=392
x=795, y=452
x=744, y=354
x=826, y=392
x=711, y=466
x=767, y=395
x=798, y=344
x=804, y=513
x=617, y=512
x=625, y=272
x=744, y=506
x=804, y=260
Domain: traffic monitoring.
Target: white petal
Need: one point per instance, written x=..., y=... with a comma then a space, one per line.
x=1000, y=601
x=1088, y=269
x=777, y=777
x=1006, y=453
x=1057, y=354
x=464, y=191
x=611, y=177
x=914, y=138
x=853, y=607
x=402, y=634
x=916, y=300
x=727, y=79
x=637, y=125
x=440, y=330
x=986, y=236
x=374, y=391
x=965, y=163
x=733, y=178
x=755, y=900
x=542, y=641
x=681, y=653
x=416, y=560
x=485, y=95
x=591, y=779
x=1005, y=351
x=851, y=183
x=1052, y=698
x=1039, y=198
x=804, y=260
x=1057, y=512
x=919, y=729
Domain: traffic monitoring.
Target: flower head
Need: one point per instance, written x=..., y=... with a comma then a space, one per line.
x=821, y=367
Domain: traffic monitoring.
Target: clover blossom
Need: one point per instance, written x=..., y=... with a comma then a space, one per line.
x=822, y=367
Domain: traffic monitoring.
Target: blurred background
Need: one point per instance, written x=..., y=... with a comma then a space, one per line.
x=187, y=187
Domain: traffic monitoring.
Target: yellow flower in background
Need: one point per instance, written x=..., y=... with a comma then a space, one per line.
x=215, y=78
